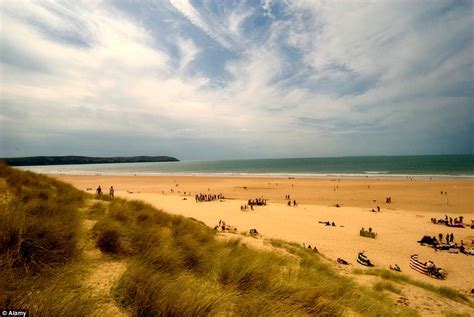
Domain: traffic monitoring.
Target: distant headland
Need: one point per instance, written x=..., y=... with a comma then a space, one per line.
x=68, y=160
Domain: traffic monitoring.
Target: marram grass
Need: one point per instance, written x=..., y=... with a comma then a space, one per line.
x=176, y=266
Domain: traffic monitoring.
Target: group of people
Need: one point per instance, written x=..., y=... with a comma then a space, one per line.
x=449, y=238
x=208, y=197
x=257, y=202
x=449, y=221
x=309, y=247
x=438, y=244
x=246, y=207
x=253, y=202
x=367, y=233
x=327, y=223
x=295, y=204
x=98, y=191
x=221, y=225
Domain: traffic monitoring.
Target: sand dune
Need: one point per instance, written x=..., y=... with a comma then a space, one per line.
x=399, y=225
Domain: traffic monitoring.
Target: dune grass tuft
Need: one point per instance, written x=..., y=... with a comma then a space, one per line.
x=400, y=278
x=382, y=286
x=39, y=233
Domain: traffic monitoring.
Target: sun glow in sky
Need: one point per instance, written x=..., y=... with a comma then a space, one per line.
x=236, y=79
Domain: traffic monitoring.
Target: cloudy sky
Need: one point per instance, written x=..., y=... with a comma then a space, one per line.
x=236, y=79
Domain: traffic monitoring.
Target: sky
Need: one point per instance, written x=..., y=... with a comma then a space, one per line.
x=203, y=80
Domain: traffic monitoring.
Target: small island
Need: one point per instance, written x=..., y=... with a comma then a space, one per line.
x=68, y=160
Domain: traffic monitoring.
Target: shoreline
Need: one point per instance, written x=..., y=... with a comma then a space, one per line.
x=349, y=176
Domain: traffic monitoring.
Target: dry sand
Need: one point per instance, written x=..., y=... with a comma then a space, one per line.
x=399, y=225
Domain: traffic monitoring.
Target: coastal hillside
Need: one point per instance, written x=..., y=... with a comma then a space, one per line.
x=68, y=160
x=67, y=253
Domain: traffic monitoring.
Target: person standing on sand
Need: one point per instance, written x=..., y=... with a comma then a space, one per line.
x=111, y=192
x=98, y=191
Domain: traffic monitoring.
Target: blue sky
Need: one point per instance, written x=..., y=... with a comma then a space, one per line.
x=236, y=79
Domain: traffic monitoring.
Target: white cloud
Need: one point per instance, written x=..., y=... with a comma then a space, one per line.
x=187, y=9
x=188, y=52
x=316, y=75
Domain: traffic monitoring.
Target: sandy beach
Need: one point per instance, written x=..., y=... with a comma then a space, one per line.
x=398, y=225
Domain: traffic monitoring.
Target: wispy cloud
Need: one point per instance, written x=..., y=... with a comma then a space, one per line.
x=221, y=79
x=188, y=10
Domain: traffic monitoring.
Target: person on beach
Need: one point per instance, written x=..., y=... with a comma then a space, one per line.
x=111, y=192
x=451, y=237
x=98, y=191
x=440, y=236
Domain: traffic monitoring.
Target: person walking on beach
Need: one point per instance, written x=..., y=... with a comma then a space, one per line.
x=111, y=192
x=98, y=191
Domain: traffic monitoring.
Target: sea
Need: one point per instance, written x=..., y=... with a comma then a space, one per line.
x=425, y=166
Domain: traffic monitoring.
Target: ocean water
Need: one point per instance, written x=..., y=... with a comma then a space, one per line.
x=373, y=166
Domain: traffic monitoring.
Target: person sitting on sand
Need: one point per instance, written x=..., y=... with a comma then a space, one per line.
x=342, y=261
x=315, y=249
x=289, y=203
x=333, y=224
x=395, y=268
x=295, y=203
x=253, y=232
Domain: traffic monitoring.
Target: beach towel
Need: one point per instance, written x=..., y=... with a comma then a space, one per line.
x=455, y=225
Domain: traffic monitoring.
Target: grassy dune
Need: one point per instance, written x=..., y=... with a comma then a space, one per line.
x=174, y=265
